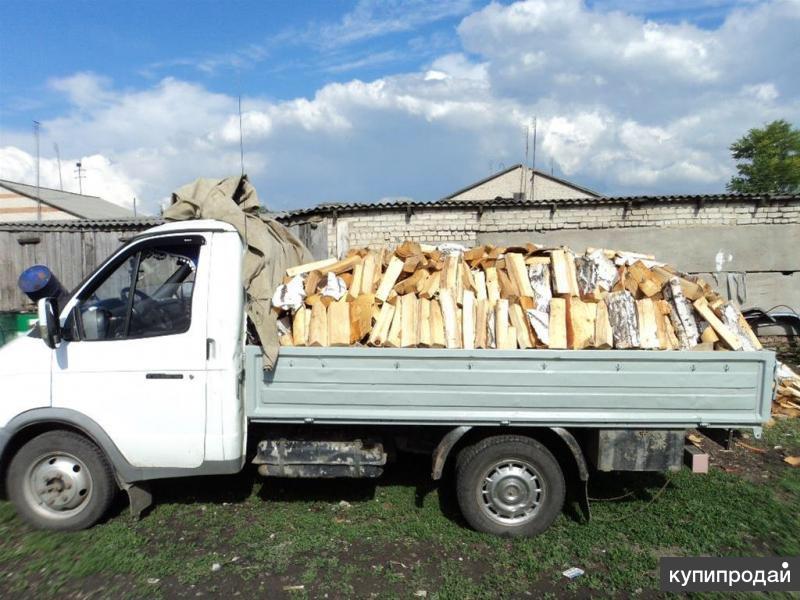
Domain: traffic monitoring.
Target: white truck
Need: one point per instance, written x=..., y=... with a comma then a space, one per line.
x=143, y=372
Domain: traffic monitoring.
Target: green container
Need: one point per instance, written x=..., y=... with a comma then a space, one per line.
x=14, y=324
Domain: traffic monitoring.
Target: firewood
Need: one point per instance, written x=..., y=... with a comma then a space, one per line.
x=380, y=331
x=389, y=278
x=508, y=288
x=565, y=281
x=341, y=266
x=409, y=284
x=300, y=326
x=395, y=337
x=648, y=326
x=431, y=286
x=355, y=286
x=581, y=318
x=424, y=320
x=409, y=335
x=368, y=274
x=308, y=267
x=603, y=333
x=318, y=328
x=468, y=320
x=479, y=278
x=709, y=336
x=408, y=249
x=557, y=327
x=361, y=317
x=449, y=275
x=647, y=282
x=339, y=323
x=681, y=315
x=313, y=280
x=437, y=325
x=729, y=337
x=518, y=272
x=525, y=338
x=449, y=307
x=492, y=285
x=622, y=315
x=481, y=325
x=505, y=338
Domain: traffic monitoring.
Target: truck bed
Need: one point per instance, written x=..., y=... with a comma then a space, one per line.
x=586, y=388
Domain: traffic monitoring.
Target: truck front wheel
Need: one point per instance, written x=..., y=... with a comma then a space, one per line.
x=60, y=480
x=509, y=485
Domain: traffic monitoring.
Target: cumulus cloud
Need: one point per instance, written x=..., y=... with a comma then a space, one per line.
x=623, y=104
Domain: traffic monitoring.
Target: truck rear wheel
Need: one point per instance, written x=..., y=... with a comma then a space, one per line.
x=61, y=481
x=509, y=485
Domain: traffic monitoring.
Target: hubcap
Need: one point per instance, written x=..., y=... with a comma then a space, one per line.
x=511, y=492
x=58, y=485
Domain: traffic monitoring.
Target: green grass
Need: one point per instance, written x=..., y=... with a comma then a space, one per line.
x=396, y=538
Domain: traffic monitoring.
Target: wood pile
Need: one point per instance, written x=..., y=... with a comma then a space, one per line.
x=522, y=297
x=787, y=394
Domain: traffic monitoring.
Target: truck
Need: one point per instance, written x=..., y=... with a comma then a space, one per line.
x=144, y=372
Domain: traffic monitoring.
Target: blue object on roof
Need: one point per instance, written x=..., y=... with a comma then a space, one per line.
x=39, y=282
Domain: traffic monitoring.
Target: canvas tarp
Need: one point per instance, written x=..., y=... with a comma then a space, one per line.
x=270, y=247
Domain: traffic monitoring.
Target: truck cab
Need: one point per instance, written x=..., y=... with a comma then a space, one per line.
x=147, y=368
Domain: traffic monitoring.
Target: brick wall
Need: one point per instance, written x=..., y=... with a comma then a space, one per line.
x=389, y=226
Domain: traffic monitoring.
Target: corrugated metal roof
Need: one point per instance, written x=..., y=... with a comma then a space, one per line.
x=537, y=172
x=86, y=207
x=512, y=203
x=83, y=225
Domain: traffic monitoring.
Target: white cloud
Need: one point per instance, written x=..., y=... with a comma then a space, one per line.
x=624, y=105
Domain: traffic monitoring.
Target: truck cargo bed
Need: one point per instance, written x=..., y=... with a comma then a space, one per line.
x=588, y=388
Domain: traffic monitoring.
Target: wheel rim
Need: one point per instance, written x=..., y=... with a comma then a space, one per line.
x=511, y=492
x=58, y=485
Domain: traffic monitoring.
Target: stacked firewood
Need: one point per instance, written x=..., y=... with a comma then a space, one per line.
x=787, y=394
x=530, y=296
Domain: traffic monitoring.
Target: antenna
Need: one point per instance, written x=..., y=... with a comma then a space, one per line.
x=79, y=176
x=533, y=162
x=551, y=165
x=134, y=207
x=522, y=171
x=36, y=126
x=58, y=158
x=241, y=135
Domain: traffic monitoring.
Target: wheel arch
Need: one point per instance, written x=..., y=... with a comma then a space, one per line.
x=26, y=426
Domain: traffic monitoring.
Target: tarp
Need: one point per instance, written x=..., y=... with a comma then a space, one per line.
x=270, y=247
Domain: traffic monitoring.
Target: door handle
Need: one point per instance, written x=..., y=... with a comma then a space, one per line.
x=163, y=376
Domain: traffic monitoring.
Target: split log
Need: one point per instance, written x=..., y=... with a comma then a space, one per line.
x=355, y=286
x=368, y=274
x=681, y=315
x=409, y=336
x=450, y=318
x=318, y=328
x=449, y=275
x=505, y=338
x=468, y=320
x=515, y=264
x=492, y=285
x=300, y=326
x=603, y=333
x=437, y=325
x=525, y=338
x=308, y=267
x=622, y=315
x=313, y=279
x=581, y=318
x=409, y=284
x=394, y=339
x=646, y=281
x=648, y=327
x=728, y=336
x=481, y=324
x=340, y=266
x=339, y=323
x=389, y=278
x=380, y=331
x=424, y=320
x=557, y=326
x=565, y=281
x=479, y=277
x=361, y=317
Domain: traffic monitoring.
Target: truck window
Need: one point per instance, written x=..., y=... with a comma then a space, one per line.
x=148, y=294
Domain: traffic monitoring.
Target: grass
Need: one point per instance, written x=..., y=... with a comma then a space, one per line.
x=398, y=536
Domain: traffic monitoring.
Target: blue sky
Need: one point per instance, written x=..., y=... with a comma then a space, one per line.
x=363, y=100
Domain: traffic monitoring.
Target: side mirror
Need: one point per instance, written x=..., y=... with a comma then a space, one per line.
x=48, y=322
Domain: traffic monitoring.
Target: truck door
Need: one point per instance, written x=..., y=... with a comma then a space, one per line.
x=135, y=362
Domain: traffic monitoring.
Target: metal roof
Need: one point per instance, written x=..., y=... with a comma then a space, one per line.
x=537, y=172
x=86, y=207
x=83, y=225
x=549, y=204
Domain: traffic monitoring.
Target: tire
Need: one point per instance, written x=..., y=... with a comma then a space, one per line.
x=509, y=485
x=60, y=481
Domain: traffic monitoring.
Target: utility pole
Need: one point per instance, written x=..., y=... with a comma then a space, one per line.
x=79, y=176
x=58, y=158
x=533, y=162
x=36, y=126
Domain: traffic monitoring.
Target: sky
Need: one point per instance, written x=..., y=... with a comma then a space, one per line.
x=370, y=100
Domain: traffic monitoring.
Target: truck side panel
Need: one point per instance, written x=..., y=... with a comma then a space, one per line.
x=601, y=388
